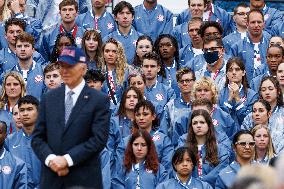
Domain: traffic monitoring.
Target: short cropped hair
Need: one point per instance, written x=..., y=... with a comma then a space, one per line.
x=244, y=5
x=68, y=2
x=256, y=11
x=28, y=99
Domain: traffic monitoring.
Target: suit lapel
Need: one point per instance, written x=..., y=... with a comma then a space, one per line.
x=81, y=101
x=60, y=103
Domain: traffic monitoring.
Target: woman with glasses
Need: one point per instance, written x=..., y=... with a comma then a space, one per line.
x=270, y=91
x=236, y=98
x=264, y=150
x=92, y=46
x=244, y=146
x=211, y=158
x=183, y=162
x=140, y=167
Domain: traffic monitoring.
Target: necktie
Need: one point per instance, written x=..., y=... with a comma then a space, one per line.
x=68, y=105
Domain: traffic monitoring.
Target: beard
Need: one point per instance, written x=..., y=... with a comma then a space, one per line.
x=24, y=59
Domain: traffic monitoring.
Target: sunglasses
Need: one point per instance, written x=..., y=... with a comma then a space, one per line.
x=244, y=144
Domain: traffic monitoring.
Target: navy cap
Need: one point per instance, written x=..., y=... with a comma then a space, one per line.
x=72, y=56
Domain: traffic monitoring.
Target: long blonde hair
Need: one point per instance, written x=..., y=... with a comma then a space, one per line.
x=5, y=12
x=120, y=63
x=270, y=149
x=3, y=96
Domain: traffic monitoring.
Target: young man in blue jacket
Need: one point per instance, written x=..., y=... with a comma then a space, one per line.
x=47, y=10
x=153, y=19
x=8, y=57
x=126, y=34
x=19, y=144
x=252, y=49
x=31, y=70
x=272, y=16
x=68, y=10
x=97, y=18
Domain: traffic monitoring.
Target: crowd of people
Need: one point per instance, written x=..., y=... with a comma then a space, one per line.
x=192, y=103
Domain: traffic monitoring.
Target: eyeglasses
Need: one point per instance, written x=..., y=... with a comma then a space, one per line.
x=242, y=13
x=214, y=34
x=186, y=81
x=211, y=49
x=244, y=144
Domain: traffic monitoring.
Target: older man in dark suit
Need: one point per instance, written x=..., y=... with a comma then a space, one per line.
x=72, y=128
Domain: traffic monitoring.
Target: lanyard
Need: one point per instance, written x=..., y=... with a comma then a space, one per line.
x=136, y=168
x=185, y=185
x=199, y=166
x=216, y=74
x=210, y=12
x=96, y=23
x=74, y=31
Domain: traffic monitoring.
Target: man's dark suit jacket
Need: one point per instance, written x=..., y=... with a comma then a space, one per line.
x=83, y=137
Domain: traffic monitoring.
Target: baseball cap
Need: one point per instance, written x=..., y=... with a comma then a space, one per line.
x=72, y=56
